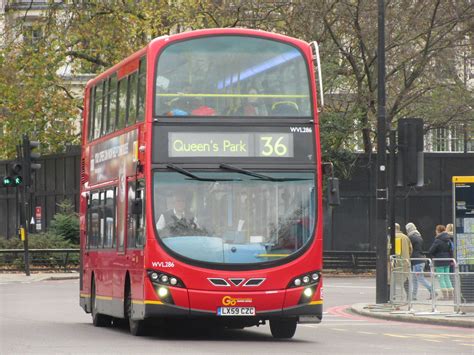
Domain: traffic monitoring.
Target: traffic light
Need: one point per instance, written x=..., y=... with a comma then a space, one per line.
x=410, y=163
x=7, y=181
x=14, y=177
x=30, y=159
x=16, y=172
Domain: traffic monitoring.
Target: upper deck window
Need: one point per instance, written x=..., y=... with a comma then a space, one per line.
x=232, y=76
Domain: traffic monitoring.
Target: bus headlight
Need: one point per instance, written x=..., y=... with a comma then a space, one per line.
x=159, y=278
x=308, y=279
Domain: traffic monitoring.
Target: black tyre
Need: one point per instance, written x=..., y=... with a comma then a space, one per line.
x=137, y=327
x=283, y=328
x=99, y=320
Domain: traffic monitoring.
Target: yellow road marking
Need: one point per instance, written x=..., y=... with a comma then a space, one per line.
x=397, y=335
x=370, y=333
x=431, y=336
x=339, y=329
x=432, y=340
x=460, y=340
x=467, y=344
x=457, y=336
x=86, y=295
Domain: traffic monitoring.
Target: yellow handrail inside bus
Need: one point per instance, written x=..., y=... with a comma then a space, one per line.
x=236, y=95
x=272, y=255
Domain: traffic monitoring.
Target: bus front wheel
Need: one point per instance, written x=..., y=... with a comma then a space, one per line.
x=283, y=328
x=137, y=327
x=99, y=320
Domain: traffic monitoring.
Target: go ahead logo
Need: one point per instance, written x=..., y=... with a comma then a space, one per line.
x=231, y=301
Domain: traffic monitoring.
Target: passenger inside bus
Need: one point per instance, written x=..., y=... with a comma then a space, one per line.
x=285, y=108
x=189, y=106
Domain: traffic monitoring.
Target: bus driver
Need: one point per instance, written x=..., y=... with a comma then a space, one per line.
x=178, y=221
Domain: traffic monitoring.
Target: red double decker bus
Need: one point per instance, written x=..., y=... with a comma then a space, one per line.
x=201, y=184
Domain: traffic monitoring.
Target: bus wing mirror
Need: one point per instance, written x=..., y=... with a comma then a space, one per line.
x=333, y=192
x=137, y=207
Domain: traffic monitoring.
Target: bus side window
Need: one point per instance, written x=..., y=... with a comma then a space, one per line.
x=109, y=216
x=122, y=103
x=136, y=215
x=98, y=102
x=141, y=90
x=102, y=220
x=132, y=99
x=88, y=222
x=93, y=233
x=90, y=127
x=112, y=104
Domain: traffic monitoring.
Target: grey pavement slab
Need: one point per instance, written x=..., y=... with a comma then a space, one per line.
x=34, y=277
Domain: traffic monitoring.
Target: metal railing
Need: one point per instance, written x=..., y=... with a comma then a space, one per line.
x=354, y=261
x=68, y=260
x=40, y=259
x=431, y=286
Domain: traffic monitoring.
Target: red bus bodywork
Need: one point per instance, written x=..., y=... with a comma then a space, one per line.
x=110, y=269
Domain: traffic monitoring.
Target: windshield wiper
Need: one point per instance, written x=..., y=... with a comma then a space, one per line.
x=191, y=175
x=257, y=175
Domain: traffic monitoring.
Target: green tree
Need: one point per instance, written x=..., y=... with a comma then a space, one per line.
x=33, y=97
x=83, y=37
x=65, y=223
x=422, y=41
x=423, y=38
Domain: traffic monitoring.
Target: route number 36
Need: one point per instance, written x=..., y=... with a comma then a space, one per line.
x=273, y=146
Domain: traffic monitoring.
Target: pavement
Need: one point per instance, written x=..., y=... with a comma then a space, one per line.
x=445, y=315
x=6, y=278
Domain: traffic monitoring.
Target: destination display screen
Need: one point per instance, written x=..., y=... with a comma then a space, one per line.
x=245, y=144
x=233, y=143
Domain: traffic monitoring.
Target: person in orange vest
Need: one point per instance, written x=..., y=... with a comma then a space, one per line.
x=403, y=249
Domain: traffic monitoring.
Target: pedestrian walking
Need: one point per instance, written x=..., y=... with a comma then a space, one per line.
x=441, y=248
x=450, y=231
x=417, y=266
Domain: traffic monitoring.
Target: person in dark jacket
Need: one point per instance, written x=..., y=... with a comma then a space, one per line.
x=417, y=266
x=438, y=250
x=450, y=231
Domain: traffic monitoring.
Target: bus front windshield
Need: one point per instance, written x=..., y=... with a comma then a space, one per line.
x=231, y=218
x=232, y=76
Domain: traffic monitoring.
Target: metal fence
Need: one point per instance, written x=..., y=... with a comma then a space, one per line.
x=431, y=286
x=353, y=261
x=40, y=259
